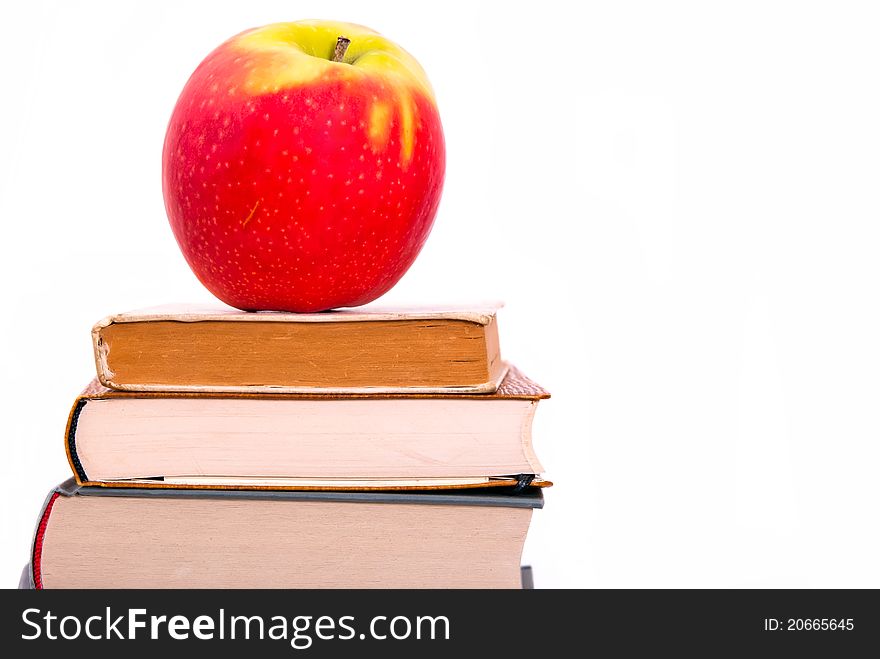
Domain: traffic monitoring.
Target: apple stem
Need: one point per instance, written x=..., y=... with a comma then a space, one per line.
x=342, y=44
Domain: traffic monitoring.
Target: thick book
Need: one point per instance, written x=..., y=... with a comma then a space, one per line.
x=368, y=349
x=147, y=538
x=306, y=441
x=26, y=579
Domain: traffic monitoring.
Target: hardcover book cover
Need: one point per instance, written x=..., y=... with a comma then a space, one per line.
x=104, y=537
x=197, y=440
x=364, y=350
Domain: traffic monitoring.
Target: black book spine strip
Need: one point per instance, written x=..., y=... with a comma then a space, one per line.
x=522, y=482
x=71, y=441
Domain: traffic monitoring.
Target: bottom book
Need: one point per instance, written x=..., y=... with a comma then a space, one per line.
x=93, y=537
x=26, y=581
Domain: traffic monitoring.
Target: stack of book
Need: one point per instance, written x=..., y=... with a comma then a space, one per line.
x=353, y=449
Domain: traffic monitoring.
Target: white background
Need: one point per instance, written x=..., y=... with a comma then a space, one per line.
x=678, y=202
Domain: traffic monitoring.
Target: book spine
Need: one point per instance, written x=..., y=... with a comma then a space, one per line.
x=37, y=551
x=35, y=569
x=70, y=441
x=102, y=352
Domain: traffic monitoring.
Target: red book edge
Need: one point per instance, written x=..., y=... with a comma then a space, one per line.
x=38, y=543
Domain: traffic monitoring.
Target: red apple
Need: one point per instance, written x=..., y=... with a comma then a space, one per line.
x=295, y=182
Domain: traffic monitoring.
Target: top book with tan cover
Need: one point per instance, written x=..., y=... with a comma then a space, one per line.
x=367, y=350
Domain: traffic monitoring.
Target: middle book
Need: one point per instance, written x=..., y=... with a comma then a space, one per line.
x=305, y=441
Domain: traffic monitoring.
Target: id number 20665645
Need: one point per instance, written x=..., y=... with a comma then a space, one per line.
x=809, y=624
